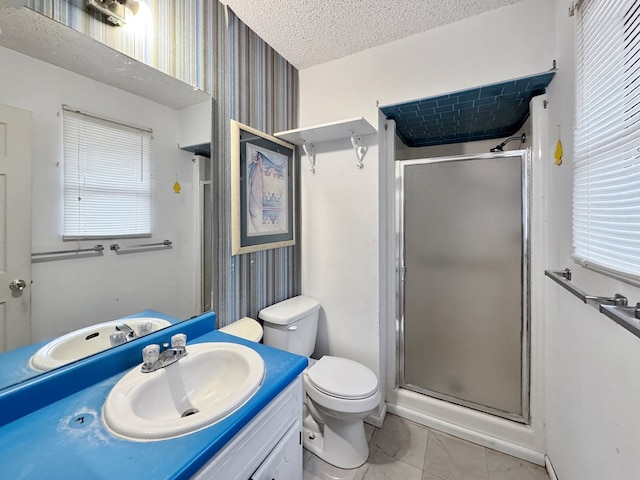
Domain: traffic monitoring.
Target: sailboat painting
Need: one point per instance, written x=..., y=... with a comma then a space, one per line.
x=262, y=191
x=266, y=191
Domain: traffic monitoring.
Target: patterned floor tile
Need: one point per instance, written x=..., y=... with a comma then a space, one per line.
x=401, y=439
x=451, y=458
x=383, y=467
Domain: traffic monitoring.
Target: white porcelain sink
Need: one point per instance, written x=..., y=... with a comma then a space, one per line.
x=85, y=342
x=210, y=383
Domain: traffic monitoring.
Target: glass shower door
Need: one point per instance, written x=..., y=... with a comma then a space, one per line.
x=464, y=320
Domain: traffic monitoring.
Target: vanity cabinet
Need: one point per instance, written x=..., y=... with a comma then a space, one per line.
x=285, y=460
x=268, y=448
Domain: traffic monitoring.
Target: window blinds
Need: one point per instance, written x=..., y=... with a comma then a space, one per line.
x=107, y=189
x=606, y=196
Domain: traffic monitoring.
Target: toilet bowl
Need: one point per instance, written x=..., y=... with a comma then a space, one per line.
x=340, y=392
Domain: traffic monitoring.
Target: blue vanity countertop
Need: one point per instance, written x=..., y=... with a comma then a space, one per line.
x=68, y=440
x=14, y=365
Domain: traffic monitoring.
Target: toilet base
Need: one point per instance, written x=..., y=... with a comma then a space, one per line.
x=342, y=444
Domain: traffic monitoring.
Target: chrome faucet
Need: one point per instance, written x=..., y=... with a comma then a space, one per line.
x=128, y=331
x=153, y=359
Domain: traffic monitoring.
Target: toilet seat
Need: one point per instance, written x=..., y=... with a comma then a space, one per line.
x=342, y=378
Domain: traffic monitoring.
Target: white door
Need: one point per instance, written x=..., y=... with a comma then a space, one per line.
x=15, y=228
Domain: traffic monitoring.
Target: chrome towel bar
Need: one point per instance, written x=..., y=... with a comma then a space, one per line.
x=140, y=247
x=616, y=307
x=96, y=248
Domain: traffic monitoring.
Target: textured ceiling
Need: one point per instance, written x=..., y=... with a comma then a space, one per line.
x=37, y=36
x=311, y=32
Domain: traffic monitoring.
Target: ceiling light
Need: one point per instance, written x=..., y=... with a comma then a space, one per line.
x=116, y=12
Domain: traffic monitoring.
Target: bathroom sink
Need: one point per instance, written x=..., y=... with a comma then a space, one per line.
x=85, y=342
x=210, y=383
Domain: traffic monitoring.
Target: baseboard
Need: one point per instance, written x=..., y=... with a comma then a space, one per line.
x=550, y=470
x=377, y=419
x=470, y=435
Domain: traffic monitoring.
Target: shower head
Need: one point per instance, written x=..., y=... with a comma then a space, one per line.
x=500, y=147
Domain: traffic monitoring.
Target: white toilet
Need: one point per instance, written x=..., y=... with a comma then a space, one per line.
x=340, y=393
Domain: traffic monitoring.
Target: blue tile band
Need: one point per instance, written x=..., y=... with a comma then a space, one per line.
x=484, y=113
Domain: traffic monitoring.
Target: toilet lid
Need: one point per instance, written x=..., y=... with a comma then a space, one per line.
x=341, y=377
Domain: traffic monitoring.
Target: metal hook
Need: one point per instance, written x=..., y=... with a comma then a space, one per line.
x=310, y=151
x=359, y=149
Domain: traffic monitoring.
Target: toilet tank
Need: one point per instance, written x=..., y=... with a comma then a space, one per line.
x=291, y=325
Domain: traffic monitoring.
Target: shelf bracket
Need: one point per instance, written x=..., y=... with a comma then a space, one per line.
x=310, y=151
x=361, y=151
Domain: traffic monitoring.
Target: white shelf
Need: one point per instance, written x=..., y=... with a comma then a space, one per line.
x=327, y=131
x=307, y=137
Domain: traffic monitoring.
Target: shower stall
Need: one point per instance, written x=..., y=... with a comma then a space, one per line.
x=463, y=283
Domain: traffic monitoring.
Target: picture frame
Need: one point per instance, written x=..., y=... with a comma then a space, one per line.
x=262, y=191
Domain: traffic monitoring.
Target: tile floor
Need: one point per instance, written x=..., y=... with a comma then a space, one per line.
x=404, y=450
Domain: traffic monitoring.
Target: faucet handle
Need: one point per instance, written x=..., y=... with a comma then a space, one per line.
x=179, y=340
x=117, y=338
x=145, y=328
x=150, y=354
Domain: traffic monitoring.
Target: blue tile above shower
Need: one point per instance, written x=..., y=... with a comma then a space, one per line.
x=483, y=113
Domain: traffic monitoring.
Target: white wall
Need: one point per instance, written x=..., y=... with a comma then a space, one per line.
x=511, y=42
x=67, y=294
x=507, y=43
x=593, y=384
x=340, y=249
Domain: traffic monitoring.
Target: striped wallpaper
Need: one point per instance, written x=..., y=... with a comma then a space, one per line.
x=178, y=39
x=203, y=43
x=262, y=92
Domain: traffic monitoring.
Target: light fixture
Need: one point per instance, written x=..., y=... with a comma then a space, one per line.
x=116, y=12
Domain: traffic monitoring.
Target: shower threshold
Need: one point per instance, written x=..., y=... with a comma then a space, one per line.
x=514, y=417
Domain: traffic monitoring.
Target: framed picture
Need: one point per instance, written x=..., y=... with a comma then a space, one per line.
x=262, y=191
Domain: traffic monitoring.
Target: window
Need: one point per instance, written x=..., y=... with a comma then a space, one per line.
x=606, y=196
x=107, y=188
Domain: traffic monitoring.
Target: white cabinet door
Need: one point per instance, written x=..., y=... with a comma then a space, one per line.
x=15, y=228
x=285, y=461
x=249, y=449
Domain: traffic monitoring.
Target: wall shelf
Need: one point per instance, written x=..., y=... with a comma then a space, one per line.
x=327, y=131
x=307, y=137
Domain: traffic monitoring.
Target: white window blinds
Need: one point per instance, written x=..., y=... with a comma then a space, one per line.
x=606, y=196
x=107, y=189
